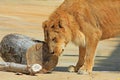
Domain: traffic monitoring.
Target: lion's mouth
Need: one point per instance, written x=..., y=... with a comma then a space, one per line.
x=58, y=49
x=57, y=52
x=62, y=50
x=52, y=52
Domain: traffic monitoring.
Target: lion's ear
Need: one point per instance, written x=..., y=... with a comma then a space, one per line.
x=44, y=24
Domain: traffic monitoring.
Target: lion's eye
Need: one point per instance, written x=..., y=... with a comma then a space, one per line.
x=54, y=39
x=59, y=24
x=52, y=26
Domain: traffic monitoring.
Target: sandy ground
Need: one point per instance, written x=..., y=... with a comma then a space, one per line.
x=26, y=16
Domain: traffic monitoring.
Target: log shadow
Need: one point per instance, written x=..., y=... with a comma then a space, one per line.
x=61, y=69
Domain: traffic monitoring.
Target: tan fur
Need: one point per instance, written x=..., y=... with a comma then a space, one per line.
x=85, y=23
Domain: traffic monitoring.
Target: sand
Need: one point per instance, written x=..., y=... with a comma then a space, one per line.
x=26, y=17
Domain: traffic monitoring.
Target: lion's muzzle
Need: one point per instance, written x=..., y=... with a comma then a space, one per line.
x=58, y=49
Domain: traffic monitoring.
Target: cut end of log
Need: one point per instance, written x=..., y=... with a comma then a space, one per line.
x=36, y=67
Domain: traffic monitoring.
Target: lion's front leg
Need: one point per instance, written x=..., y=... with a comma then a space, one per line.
x=86, y=57
x=82, y=51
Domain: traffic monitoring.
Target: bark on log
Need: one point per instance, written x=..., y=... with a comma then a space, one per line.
x=14, y=47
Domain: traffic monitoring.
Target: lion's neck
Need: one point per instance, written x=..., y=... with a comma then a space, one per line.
x=77, y=37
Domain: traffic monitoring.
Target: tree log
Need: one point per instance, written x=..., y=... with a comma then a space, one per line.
x=15, y=67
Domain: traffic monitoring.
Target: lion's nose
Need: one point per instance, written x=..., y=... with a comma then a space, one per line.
x=62, y=50
x=52, y=52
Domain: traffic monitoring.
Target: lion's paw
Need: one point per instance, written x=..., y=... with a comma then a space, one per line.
x=71, y=68
x=83, y=72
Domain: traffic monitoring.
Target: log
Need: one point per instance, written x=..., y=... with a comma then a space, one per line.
x=25, y=50
x=15, y=47
x=15, y=67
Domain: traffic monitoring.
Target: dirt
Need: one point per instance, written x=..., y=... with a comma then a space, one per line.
x=26, y=17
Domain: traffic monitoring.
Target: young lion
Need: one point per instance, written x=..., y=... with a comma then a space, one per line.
x=85, y=23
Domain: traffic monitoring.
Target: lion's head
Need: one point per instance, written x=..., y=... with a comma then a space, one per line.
x=59, y=30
